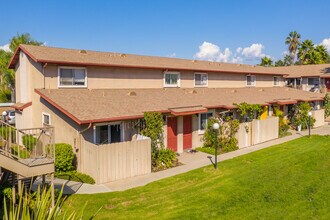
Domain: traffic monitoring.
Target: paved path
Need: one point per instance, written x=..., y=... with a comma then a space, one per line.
x=191, y=161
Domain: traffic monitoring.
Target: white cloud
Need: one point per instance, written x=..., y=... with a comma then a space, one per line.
x=253, y=51
x=5, y=47
x=326, y=44
x=212, y=52
x=172, y=55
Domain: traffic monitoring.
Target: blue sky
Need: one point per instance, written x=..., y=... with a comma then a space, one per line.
x=186, y=29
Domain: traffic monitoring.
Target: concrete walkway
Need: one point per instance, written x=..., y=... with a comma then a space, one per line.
x=191, y=161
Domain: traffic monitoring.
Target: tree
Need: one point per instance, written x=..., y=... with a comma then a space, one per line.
x=22, y=39
x=279, y=63
x=7, y=76
x=308, y=53
x=326, y=105
x=266, y=61
x=287, y=60
x=293, y=41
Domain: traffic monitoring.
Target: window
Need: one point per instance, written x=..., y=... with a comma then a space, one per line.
x=276, y=81
x=171, y=79
x=201, y=79
x=203, y=117
x=46, y=119
x=107, y=134
x=250, y=80
x=313, y=81
x=72, y=76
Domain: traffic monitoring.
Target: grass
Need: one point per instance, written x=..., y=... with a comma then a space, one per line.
x=287, y=181
x=75, y=176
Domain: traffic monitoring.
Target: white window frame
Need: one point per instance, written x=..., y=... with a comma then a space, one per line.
x=70, y=86
x=255, y=80
x=200, y=131
x=172, y=72
x=42, y=118
x=274, y=80
x=207, y=79
x=122, y=132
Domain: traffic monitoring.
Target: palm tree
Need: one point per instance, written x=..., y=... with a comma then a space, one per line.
x=293, y=41
x=323, y=53
x=22, y=39
x=266, y=61
x=287, y=60
x=306, y=53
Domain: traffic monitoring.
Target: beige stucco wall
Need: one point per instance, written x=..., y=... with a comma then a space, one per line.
x=114, y=77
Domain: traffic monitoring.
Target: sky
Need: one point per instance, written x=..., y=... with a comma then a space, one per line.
x=238, y=31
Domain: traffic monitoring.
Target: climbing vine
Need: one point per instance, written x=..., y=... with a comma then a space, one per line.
x=253, y=111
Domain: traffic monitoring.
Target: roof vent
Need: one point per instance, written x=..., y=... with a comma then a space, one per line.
x=193, y=92
x=123, y=55
x=83, y=51
x=234, y=90
x=194, y=61
x=132, y=93
x=261, y=90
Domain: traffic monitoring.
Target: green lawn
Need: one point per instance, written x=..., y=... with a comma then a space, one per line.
x=288, y=181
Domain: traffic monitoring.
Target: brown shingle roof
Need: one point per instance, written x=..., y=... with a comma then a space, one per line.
x=85, y=106
x=93, y=58
x=298, y=71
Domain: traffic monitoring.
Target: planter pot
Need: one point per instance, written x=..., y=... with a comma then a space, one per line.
x=299, y=128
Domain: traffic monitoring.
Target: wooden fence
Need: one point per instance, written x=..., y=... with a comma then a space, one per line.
x=110, y=162
x=257, y=131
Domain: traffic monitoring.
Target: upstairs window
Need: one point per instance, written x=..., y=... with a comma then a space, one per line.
x=276, y=81
x=313, y=81
x=171, y=79
x=72, y=77
x=201, y=79
x=251, y=80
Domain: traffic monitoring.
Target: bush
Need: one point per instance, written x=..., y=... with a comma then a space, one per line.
x=4, y=133
x=300, y=115
x=29, y=141
x=63, y=158
x=165, y=158
x=283, y=126
x=23, y=153
x=75, y=176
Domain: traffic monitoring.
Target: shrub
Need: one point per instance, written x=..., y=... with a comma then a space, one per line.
x=4, y=133
x=165, y=158
x=300, y=115
x=75, y=176
x=23, y=153
x=63, y=157
x=226, y=135
x=326, y=105
x=283, y=126
x=29, y=141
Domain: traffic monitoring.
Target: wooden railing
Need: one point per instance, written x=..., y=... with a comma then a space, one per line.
x=33, y=146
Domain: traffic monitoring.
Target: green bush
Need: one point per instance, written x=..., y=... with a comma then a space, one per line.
x=4, y=133
x=75, y=176
x=29, y=141
x=283, y=124
x=23, y=153
x=165, y=158
x=63, y=157
x=300, y=115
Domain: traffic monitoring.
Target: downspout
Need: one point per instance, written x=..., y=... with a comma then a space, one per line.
x=43, y=73
x=79, y=150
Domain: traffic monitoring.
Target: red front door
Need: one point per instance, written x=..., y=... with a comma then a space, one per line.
x=172, y=133
x=187, y=129
x=327, y=84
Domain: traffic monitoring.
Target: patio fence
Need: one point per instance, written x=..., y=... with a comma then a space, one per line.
x=110, y=162
x=257, y=131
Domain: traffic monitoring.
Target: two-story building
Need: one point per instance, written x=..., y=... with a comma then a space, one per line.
x=314, y=78
x=96, y=98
